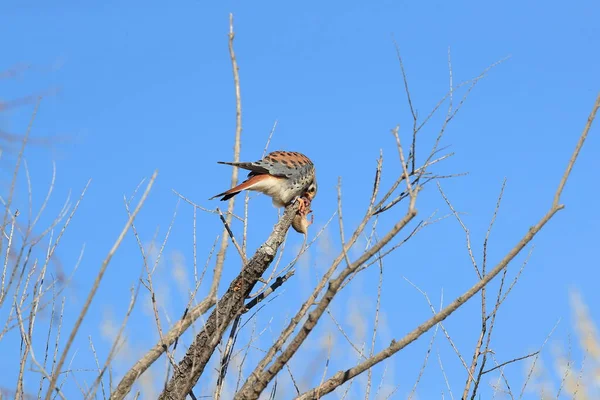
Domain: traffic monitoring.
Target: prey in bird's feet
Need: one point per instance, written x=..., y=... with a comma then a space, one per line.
x=300, y=222
x=304, y=207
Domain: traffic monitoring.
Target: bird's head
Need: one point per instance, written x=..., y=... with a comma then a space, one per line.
x=311, y=191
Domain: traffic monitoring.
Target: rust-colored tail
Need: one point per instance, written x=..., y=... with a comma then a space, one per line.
x=247, y=184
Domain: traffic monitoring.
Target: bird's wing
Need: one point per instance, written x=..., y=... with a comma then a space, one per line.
x=284, y=164
x=287, y=164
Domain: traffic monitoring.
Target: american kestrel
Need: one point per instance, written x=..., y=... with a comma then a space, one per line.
x=282, y=175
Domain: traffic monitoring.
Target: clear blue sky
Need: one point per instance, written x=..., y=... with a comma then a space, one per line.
x=144, y=86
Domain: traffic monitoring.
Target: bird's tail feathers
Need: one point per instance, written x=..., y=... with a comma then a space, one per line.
x=245, y=165
x=254, y=168
x=246, y=185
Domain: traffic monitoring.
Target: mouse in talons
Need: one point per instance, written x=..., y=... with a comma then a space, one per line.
x=300, y=223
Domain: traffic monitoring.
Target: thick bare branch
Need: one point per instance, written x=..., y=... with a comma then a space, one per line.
x=158, y=349
x=227, y=309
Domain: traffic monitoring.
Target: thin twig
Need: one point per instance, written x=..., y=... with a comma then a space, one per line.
x=236, y=158
x=94, y=288
x=535, y=353
x=235, y=243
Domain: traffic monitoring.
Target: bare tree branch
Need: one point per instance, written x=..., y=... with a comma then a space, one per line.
x=343, y=376
x=259, y=379
x=510, y=362
x=179, y=328
x=94, y=288
x=227, y=308
x=236, y=157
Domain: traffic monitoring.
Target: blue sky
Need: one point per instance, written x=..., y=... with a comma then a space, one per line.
x=143, y=86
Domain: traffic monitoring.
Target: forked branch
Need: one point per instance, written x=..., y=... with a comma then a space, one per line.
x=227, y=309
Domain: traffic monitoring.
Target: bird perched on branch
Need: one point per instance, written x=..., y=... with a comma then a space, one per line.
x=282, y=175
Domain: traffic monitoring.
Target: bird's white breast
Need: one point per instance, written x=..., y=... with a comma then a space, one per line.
x=279, y=189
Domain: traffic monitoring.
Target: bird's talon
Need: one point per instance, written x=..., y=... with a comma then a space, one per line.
x=304, y=204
